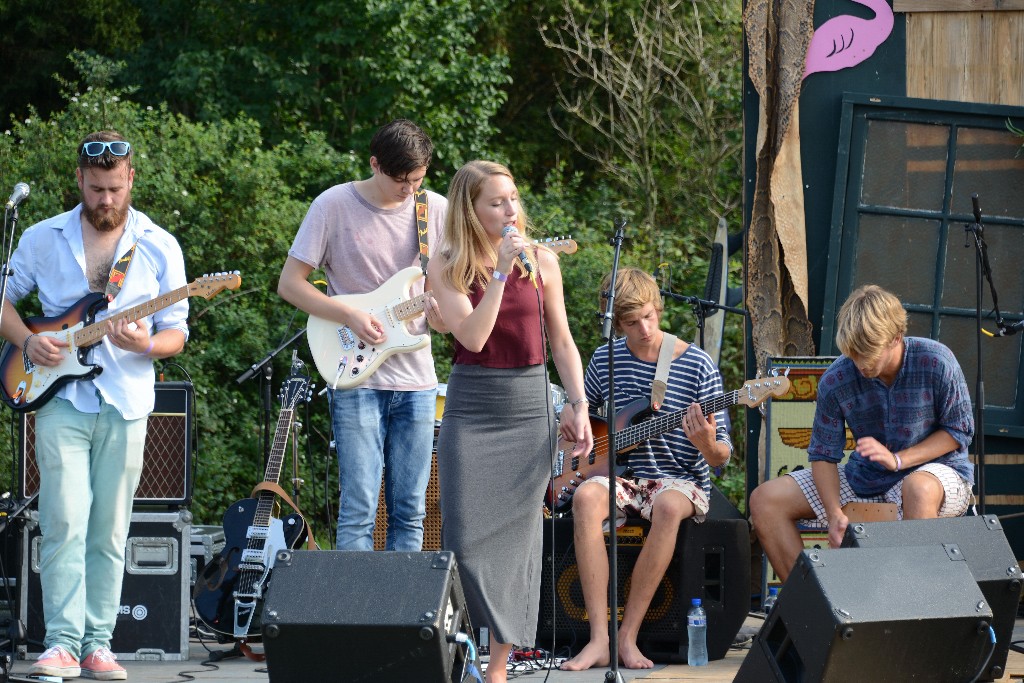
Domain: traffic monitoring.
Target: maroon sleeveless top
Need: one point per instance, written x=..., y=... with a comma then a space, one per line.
x=515, y=341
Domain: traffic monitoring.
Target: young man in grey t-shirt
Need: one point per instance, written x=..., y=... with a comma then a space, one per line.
x=361, y=233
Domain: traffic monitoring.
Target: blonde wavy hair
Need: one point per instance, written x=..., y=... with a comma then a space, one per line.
x=467, y=249
x=870, y=319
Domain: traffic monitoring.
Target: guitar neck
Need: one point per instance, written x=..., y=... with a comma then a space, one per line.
x=649, y=429
x=92, y=334
x=265, y=506
x=412, y=307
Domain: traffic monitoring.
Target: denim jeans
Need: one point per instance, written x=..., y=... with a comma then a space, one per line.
x=390, y=433
x=89, y=468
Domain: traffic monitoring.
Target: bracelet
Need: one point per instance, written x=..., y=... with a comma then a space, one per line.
x=24, y=350
x=149, y=349
x=899, y=463
x=498, y=275
x=579, y=401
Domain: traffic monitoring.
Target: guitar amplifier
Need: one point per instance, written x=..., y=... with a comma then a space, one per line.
x=153, y=620
x=167, y=467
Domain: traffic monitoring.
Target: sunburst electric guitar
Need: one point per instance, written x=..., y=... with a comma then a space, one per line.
x=631, y=429
x=27, y=386
x=344, y=360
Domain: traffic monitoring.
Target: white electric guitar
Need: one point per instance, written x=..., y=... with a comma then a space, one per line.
x=344, y=360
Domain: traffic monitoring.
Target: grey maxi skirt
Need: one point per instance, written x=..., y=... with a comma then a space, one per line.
x=494, y=455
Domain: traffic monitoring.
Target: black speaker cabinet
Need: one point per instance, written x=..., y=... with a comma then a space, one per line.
x=873, y=614
x=167, y=468
x=153, y=621
x=366, y=616
x=981, y=544
x=711, y=562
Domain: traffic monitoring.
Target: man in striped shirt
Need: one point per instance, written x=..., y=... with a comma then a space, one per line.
x=668, y=481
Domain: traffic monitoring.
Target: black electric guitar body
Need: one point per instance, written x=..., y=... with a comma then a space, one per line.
x=230, y=590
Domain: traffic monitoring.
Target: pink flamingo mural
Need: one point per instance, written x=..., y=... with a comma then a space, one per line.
x=846, y=41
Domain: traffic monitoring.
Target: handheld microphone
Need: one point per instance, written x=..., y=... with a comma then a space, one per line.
x=19, y=194
x=523, y=258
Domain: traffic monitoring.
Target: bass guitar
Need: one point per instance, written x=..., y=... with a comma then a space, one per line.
x=632, y=429
x=27, y=386
x=344, y=360
x=232, y=586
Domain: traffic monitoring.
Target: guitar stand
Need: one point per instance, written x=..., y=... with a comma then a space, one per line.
x=240, y=649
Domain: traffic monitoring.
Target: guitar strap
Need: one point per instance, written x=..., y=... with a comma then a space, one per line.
x=118, y=272
x=421, y=228
x=660, y=384
x=276, y=488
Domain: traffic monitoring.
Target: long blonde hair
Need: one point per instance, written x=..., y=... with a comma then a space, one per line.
x=467, y=249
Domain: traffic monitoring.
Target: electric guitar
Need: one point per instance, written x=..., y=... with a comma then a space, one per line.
x=344, y=360
x=632, y=429
x=27, y=386
x=229, y=591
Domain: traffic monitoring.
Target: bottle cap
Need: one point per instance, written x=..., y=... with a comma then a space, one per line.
x=695, y=601
x=773, y=591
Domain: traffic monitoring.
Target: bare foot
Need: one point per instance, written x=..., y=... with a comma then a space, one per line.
x=594, y=653
x=631, y=656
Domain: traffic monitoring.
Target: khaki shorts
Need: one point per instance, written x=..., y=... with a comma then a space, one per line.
x=635, y=497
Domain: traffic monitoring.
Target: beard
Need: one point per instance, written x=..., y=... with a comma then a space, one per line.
x=106, y=220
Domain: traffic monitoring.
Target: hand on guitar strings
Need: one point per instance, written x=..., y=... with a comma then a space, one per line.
x=365, y=326
x=129, y=336
x=44, y=350
x=434, y=317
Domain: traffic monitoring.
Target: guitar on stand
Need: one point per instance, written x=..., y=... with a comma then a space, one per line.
x=231, y=588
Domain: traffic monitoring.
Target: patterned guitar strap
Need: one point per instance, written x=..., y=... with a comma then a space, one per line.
x=421, y=229
x=660, y=384
x=118, y=272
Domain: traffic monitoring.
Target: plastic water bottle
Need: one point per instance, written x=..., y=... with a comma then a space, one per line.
x=697, y=635
x=769, y=602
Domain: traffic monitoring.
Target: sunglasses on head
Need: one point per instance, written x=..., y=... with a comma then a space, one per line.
x=118, y=148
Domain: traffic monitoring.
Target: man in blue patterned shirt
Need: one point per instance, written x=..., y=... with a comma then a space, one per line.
x=670, y=471
x=906, y=402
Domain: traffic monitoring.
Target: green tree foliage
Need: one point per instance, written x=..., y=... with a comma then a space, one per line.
x=343, y=67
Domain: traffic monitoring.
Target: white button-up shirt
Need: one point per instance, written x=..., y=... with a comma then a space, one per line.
x=50, y=258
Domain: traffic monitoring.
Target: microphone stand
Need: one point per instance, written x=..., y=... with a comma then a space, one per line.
x=5, y=271
x=612, y=674
x=267, y=400
x=701, y=309
x=981, y=266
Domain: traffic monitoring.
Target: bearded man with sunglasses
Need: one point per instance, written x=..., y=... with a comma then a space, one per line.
x=90, y=434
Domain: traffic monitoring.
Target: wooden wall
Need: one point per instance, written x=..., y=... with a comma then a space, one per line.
x=965, y=50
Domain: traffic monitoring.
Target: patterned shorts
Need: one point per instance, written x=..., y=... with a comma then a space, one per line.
x=635, y=497
x=954, y=503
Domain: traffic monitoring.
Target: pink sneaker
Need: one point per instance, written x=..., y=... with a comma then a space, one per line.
x=56, y=661
x=102, y=665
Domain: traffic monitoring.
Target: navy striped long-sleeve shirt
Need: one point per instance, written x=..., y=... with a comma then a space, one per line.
x=693, y=377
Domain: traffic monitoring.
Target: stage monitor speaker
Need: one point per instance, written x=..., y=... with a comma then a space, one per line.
x=167, y=467
x=981, y=543
x=364, y=616
x=711, y=561
x=885, y=615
